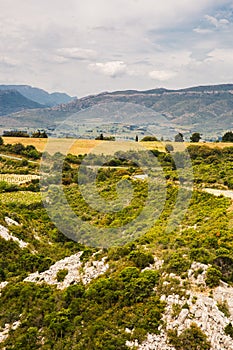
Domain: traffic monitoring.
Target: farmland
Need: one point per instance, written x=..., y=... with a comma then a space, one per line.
x=82, y=146
x=17, y=179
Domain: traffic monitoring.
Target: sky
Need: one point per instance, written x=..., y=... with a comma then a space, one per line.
x=84, y=47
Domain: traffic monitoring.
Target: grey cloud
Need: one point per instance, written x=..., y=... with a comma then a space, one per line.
x=80, y=46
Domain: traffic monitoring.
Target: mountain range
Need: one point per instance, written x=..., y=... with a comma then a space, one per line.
x=207, y=109
x=12, y=101
x=40, y=96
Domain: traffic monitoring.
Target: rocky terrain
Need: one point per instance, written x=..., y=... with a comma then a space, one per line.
x=196, y=307
x=198, y=304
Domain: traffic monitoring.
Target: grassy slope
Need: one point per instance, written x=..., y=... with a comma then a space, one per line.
x=95, y=317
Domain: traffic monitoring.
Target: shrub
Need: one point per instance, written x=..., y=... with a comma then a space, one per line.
x=190, y=339
x=149, y=138
x=61, y=274
x=169, y=148
x=229, y=330
x=213, y=277
x=177, y=263
x=141, y=259
x=223, y=307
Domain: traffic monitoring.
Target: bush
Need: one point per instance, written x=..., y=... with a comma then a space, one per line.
x=224, y=308
x=61, y=274
x=229, y=330
x=228, y=137
x=141, y=259
x=149, y=138
x=213, y=277
x=190, y=339
x=177, y=263
x=169, y=148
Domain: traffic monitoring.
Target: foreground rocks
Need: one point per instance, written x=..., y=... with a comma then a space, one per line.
x=4, y=233
x=198, y=306
x=5, y=331
x=75, y=272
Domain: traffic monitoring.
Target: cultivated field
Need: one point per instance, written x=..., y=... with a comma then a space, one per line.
x=17, y=179
x=80, y=146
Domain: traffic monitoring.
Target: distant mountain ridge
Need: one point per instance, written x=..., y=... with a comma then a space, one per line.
x=201, y=108
x=39, y=95
x=12, y=101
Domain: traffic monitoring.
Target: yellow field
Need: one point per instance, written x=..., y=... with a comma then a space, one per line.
x=79, y=146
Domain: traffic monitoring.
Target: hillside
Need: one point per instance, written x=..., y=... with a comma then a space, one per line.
x=39, y=95
x=12, y=101
x=154, y=289
x=207, y=109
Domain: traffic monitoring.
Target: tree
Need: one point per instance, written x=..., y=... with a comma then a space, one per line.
x=213, y=277
x=228, y=137
x=136, y=138
x=169, y=148
x=40, y=134
x=179, y=137
x=1, y=141
x=191, y=338
x=196, y=136
x=149, y=138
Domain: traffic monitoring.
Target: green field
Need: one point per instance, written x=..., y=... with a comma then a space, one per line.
x=20, y=197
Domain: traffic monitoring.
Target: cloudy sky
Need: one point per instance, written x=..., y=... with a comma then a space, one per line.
x=87, y=46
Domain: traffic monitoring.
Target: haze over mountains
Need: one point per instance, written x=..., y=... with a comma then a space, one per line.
x=39, y=95
x=202, y=108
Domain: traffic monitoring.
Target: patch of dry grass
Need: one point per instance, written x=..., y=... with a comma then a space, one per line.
x=81, y=146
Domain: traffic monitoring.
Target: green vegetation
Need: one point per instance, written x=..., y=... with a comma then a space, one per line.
x=19, y=149
x=229, y=330
x=149, y=138
x=213, y=277
x=105, y=138
x=191, y=338
x=228, y=137
x=39, y=134
x=195, y=137
x=127, y=295
x=61, y=275
x=224, y=307
x=15, y=133
x=179, y=137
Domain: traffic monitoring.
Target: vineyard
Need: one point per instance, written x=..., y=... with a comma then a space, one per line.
x=18, y=179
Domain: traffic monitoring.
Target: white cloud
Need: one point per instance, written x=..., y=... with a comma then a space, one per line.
x=65, y=45
x=221, y=55
x=8, y=61
x=111, y=69
x=217, y=22
x=162, y=75
x=76, y=53
x=202, y=30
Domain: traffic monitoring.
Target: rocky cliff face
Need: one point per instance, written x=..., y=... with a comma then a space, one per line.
x=198, y=306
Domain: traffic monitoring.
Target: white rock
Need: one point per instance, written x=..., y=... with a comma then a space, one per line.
x=5, y=332
x=10, y=221
x=4, y=233
x=73, y=264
